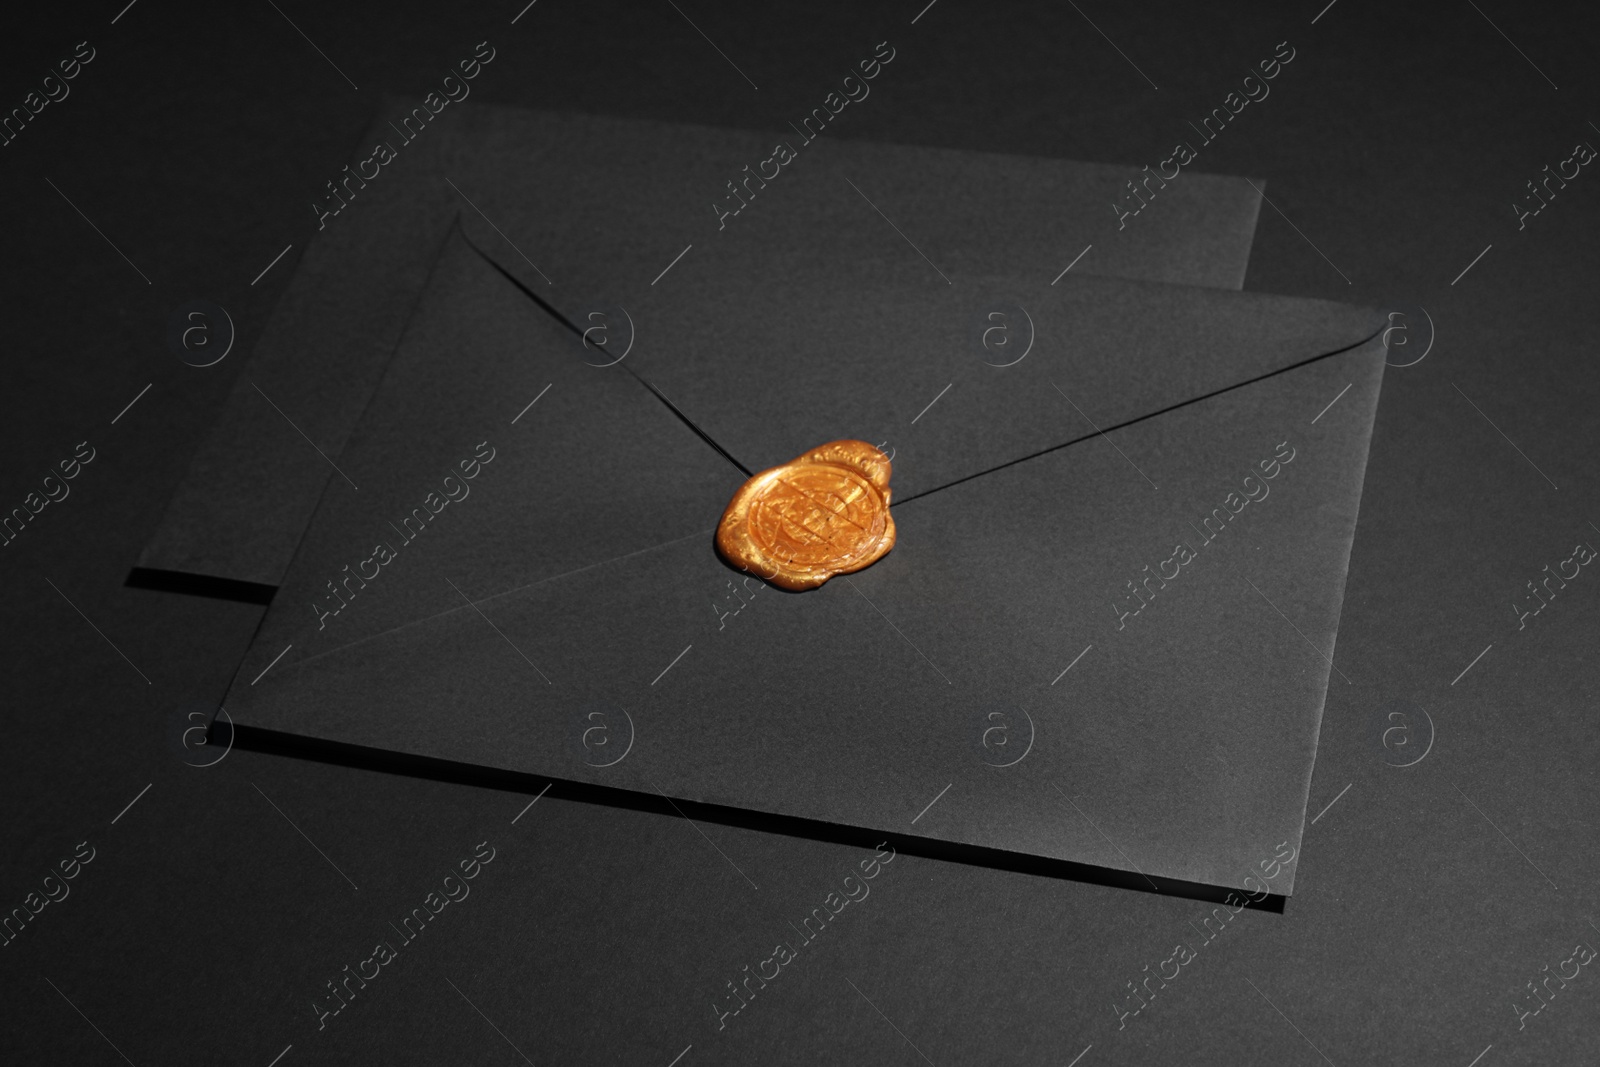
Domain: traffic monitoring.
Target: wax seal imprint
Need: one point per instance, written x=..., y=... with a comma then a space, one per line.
x=821, y=514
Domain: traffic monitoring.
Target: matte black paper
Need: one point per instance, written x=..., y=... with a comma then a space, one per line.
x=1119, y=555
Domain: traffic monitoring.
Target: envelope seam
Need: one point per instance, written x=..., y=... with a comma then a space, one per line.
x=400, y=340
x=496, y=596
x=555, y=313
x=1142, y=418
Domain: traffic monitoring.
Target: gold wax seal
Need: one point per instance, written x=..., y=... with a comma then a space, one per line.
x=821, y=514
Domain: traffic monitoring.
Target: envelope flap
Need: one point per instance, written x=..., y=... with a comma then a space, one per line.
x=493, y=455
x=959, y=378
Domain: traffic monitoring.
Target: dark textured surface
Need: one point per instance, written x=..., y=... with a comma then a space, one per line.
x=1396, y=141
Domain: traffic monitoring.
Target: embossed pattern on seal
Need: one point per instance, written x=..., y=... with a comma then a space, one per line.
x=821, y=514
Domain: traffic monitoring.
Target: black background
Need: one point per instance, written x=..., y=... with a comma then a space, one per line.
x=1426, y=897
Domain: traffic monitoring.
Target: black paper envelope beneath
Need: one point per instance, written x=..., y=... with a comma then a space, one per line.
x=1111, y=648
x=588, y=211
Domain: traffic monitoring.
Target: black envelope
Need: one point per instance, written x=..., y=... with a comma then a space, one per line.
x=1104, y=636
x=587, y=211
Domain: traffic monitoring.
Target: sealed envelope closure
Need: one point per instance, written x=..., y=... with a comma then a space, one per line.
x=1159, y=656
x=821, y=514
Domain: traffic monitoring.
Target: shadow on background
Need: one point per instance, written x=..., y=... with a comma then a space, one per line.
x=200, y=585
x=342, y=754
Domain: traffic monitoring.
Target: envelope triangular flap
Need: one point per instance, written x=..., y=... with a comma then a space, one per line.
x=957, y=378
x=861, y=702
x=492, y=456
